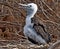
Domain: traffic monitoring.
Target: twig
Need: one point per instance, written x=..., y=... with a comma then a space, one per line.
x=48, y=12
x=11, y=23
x=6, y=4
x=4, y=15
x=50, y=8
x=50, y=21
x=56, y=44
x=43, y=10
x=10, y=11
x=21, y=35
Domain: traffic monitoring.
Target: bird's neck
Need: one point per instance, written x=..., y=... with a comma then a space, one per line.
x=30, y=15
x=28, y=20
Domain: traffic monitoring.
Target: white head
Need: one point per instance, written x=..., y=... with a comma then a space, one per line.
x=31, y=8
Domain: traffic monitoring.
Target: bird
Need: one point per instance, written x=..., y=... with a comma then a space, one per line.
x=28, y=30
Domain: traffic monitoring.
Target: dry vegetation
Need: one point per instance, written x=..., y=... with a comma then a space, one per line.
x=12, y=20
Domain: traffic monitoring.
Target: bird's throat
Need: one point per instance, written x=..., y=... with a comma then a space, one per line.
x=29, y=16
x=28, y=21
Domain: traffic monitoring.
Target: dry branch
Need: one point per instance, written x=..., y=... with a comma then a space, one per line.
x=11, y=23
x=50, y=9
x=54, y=45
x=7, y=4
x=50, y=22
x=43, y=10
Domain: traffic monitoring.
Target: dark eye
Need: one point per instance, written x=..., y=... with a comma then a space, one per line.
x=30, y=5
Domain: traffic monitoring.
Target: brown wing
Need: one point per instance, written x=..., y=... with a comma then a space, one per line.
x=40, y=29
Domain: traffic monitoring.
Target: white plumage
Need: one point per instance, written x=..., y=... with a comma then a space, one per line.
x=29, y=31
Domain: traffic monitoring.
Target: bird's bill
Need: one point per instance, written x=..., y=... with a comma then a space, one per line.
x=24, y=5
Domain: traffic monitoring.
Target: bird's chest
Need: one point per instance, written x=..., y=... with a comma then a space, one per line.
x=29, y=23
x=29, y=31
x=27, y=27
